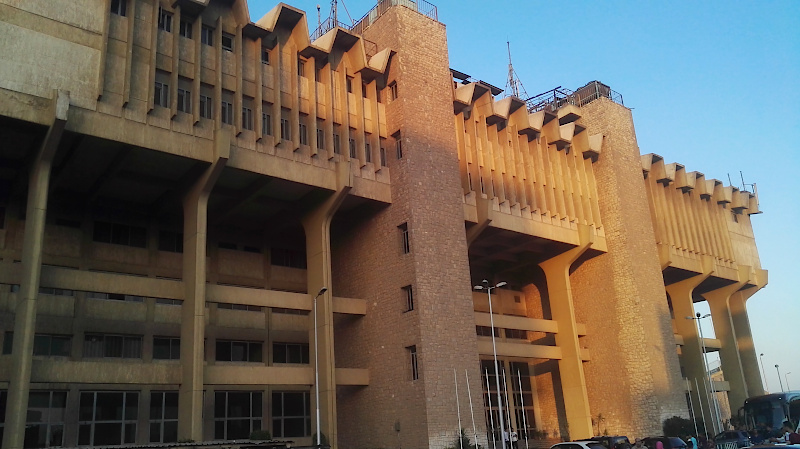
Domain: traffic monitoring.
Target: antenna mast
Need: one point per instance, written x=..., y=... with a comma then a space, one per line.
x=514, y=85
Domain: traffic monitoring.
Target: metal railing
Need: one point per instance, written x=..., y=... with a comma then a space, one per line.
x=554, y=99
x=358, y=27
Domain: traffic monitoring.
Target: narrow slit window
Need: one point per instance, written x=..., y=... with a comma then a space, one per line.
x=405, y=242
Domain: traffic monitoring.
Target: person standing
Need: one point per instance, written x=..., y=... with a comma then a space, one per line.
x=692, y=441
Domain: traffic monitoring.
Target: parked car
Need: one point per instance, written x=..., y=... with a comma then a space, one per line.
x=613, y=442
x=668, y=442
x=740, y=437
x=578, y=445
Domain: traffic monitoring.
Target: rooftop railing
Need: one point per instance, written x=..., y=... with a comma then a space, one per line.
x=554, y=99
x=358, y=27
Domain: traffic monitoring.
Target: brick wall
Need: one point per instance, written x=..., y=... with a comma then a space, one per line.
x=633, y=378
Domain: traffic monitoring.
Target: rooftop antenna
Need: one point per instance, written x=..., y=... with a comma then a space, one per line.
x=514, y=84
x=334, y=12
x=319, y=17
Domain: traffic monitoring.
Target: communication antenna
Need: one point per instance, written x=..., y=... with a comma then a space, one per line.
x=335, y=13
x=514, y=84
x=319, y=17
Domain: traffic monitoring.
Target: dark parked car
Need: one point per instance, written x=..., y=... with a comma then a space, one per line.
x=740, y=437
x=613, y=442
x=668, y=442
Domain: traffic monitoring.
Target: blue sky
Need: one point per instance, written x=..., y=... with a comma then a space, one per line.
x=713, y=85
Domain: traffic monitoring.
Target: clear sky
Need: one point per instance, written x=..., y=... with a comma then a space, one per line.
x=713, y=85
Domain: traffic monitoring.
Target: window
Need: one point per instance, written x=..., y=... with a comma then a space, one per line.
x=107, y=418
x=114, y=297
x=286, y=129
x=46, y=412
x=350, y=84
x=205, y=107
x=185, y=28
x=266, y=124
x=383, y=157
x=170, y=241
x=301, y=67
x=227, y=245
x=398, y=145
x=247, y=118
x=291, y=414
x=352, y=148
x=486, y=331
x=337, y=146
x=368, y=153
x=516, y=334
x=264, y=55
x=163, y=416
x=184, y=101
x=412, y=352
x=112, y=346
x=119, y=7
x=405, y=242
x=119, y=234
x=303, y=134
x=164, y=20
x=320, y=139
x=227, y=41
x=51, y=345
x=517, y=299
x=364, y=90
x=239, y=351
x=245, y=307
x=55, y=291
x=288, y=258
x=409, y=294
x=290, y=353
x=237, y=414
x=166, y=348
x=393, y=91
x=43, y=344
x=227, y=112
x=161, y=95
x=169, y=302
x=207, y=35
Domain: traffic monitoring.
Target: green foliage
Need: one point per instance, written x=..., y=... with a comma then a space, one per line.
x=261, y=435
x=323, y=439
x=680, y=427
x=463, y=438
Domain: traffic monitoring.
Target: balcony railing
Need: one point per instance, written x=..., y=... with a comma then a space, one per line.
x=554, y=99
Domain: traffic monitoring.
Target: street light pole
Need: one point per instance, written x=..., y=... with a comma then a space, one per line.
x=779, y=376
x=764, y=372
x=786, y=376
x=316, y=364
x=489, y=289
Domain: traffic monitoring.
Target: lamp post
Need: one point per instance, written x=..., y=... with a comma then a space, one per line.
x=489, y=289
x=764, y=372
x=786, y=376
x=779, y=376
x=707, y=377
x=316, y=364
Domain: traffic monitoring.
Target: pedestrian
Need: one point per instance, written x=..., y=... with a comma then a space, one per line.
x=692, y=441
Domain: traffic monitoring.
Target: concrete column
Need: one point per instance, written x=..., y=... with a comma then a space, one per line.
x=318, y=254
x=723, y=329
x=195, y=228
x=25, y=309
x=573, y=382
x=691, y=351
x=737, y=304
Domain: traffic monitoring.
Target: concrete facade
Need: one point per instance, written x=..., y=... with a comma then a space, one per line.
x=178, y=182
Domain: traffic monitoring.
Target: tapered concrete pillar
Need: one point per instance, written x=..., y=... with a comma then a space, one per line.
x=573, y=382
x=25, y=309
x=691, y=351
x=317, y=224
x=744, y=337
x=724, y=331
x=195, y=231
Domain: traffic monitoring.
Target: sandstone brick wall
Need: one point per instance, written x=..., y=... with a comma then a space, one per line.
x=633, y=378
x=368, y=263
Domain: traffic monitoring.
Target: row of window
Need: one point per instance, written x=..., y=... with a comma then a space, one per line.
x=164, y=348
x=111, y=417
x=516, y=334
